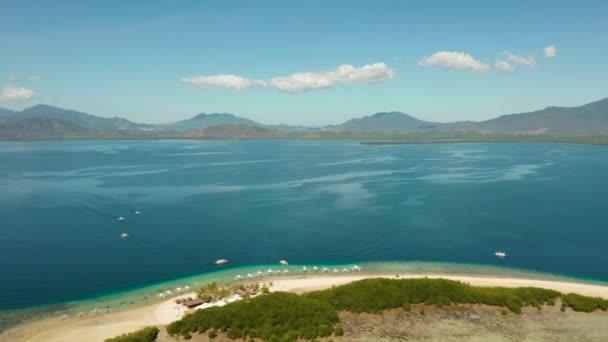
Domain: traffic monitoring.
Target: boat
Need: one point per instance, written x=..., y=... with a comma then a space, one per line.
x=345, y=270
x=221, y=262
x=284, y=262
x=501, y=255
x=304, y=269
x=325, y=269
x=259, y=273
x=124, y=236
x=238, y=277
x=315, y=268
x=336, y=270
x=137, y=212
x=121, y=219
x=249, y=276
x=269, y=271
x=357, y=268
x=286, y=271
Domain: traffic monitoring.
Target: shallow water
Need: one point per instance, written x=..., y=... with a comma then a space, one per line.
x=310, y=202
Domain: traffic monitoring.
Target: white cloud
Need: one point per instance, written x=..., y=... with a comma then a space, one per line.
x=35, y=78
x=344, y=74
x=302, y=81
x=453, y=60
x=505, y=66
x=10, y=93
x=550, y=51
x=11, y=77
x=227, y=81
x=529, y=62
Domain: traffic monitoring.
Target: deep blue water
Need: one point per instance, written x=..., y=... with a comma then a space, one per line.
x=255, y=202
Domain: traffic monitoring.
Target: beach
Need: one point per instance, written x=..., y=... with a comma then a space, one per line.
x=100, y=327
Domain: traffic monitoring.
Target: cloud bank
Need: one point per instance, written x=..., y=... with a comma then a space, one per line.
x=550, y=51
x=226, y=81
x=10, y=93
x=345, y=74
x=454, y=61
x=530, y=62
x=505, y=66
x=34, y=78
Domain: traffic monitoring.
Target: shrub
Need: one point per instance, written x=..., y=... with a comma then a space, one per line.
x=265, y=290
x=584, y=303
x=338, y=330
x=277, y=316
x=212, y=333
x=407, y=306
x=325, y=330
x=148, y=334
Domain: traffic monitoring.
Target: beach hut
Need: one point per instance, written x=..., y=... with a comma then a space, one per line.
x=193, y=303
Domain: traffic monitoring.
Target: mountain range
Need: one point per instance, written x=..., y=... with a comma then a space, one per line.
x=47, y=122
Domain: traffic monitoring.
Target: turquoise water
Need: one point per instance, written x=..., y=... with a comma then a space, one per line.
x=310, y=202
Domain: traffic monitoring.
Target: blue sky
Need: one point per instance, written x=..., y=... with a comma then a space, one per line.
x=155, y=62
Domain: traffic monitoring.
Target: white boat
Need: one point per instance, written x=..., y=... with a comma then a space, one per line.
x=357, y=268
x=315, y=269
x=124, y=236
x=121, y=219
x=186, y=287
x=336, y=270
x=345, y=270
x=284, y=262
x=238, y=277
x=221, y=261
x=259, y=273
x=269, y=271
x=325, y=269
x=501, y=255
x=249, y=275
x=286, y=271
x=137, y=212
x=304, y=269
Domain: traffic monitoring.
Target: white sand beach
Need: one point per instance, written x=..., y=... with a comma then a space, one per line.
x=100, y=327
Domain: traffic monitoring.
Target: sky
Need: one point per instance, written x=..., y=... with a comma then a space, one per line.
x=302, y=62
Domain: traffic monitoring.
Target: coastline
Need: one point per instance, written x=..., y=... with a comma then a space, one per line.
x=144, y=296
x=99, y=327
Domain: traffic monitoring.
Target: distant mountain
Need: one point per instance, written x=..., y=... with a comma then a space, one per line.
x=41, y=128
x=384, y=123
x=5, y=113
x=206, y=120
x=78, y=118
x=589, y=119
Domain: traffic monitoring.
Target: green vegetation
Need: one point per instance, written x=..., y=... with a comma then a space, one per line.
x=144, y=335
x=276, y=316
x=375, y=295
x=338, y=330
x=280, y=316
x=213, y=292
x=584, y=303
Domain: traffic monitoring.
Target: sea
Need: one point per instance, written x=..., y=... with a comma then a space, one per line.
x=388, y=208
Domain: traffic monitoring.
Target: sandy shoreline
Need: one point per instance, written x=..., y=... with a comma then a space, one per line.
x=98, y=328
